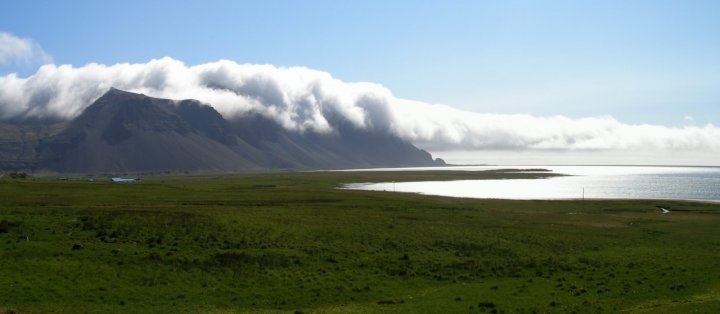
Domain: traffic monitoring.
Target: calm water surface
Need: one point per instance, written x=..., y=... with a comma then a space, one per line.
x=598, y=182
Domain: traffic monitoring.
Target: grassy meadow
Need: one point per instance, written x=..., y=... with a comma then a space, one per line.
x=291, y=242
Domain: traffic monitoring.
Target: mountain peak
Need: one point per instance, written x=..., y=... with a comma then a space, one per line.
x=115, y=94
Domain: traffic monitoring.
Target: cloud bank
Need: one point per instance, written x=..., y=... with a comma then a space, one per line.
x=306, y=100
x=21, y=51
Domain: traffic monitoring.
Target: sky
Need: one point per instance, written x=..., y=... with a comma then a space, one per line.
x=627, y=63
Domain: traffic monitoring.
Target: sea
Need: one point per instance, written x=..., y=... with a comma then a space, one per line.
x=578, y=182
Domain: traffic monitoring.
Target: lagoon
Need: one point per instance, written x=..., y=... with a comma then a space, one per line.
x=590, y=182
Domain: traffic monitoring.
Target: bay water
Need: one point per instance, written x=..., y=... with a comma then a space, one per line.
x=590, y=182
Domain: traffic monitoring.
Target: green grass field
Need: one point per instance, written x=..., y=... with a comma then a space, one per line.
x=287, y=242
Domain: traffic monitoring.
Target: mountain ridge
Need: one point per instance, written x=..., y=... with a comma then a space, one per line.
x=128, y=132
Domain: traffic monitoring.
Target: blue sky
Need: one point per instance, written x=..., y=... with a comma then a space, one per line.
x=639, y=61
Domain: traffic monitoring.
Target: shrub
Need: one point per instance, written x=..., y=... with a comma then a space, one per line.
x=487, y=304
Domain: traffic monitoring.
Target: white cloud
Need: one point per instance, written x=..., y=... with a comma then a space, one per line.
x=21, y=51
x=303, y=99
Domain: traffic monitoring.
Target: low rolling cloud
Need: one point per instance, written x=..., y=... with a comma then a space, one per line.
x=306, y=100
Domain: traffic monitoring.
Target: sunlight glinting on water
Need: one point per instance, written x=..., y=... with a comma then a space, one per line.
x=600, y=182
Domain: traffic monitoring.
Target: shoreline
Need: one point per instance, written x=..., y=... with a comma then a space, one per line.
x=707, y=201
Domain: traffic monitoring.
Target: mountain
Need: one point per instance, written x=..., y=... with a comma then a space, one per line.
x=123, y=132
x=20, y=139
x=128, y=132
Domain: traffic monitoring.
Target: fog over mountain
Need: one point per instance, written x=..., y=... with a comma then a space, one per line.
x=304, y=100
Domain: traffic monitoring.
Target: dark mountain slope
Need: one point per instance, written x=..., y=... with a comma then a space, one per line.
x=19, y=140
x=348, y=147
x=129, y=132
